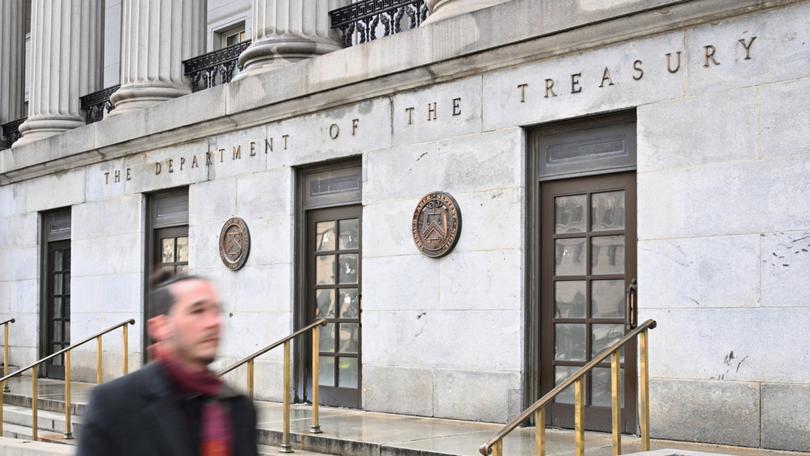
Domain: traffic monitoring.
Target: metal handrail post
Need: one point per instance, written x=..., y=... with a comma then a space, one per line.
x=6, y=389
x=99, y=361
x=540, y=432
x=615, y=402
x=579, y=417
x=126, y=348
x=34, y=403
x=68, y=415
x=315, y=428
x=250, y=366
x=644, y=349
x=285, y=440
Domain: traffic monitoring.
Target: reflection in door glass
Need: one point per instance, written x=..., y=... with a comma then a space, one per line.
x=570, y=256
x=607, y=211
x=569, y=297
x=347, y=374
x=569, y=342
x=569, y=214
x=607, y=255
x=349, y=234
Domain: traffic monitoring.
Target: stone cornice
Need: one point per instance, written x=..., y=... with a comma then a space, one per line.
x=502, y=36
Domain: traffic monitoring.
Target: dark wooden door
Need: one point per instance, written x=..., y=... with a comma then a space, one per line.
x=57, y=332
x=588, y=259
x=333, y=292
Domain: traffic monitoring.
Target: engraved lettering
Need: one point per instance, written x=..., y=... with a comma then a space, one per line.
x=669, y=62
x=431, y=111
x=709, y=51
x=639, y=72
x=182, y=162
x=285, y=138
x=606, y=77
x=158, y=168
x=237, y=153
x=456, y=107
x=747, y=47
x=575, y=85
x=410, y=115
x=253, y=148
x=221, y=154
x=170, y=167
x=355, y=125
x=208, y=159
x=268, y=145
x=107, y=178
x=194, y=163
x=550, y=88
x=117, y=177
x=334, y=131
x=522, y=88
x=129, y=174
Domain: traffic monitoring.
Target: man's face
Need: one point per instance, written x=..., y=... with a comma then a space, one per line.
x=191, y=329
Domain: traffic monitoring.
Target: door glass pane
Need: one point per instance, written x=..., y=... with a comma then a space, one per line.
x=560, y=374
x=326, y=372
x=569, y=298
x=347, y=375
x=182, y=249
x=569, y=256
x=325, y=236
x=57, y=361
x=57, y=307
x=327, y=338
x=348, y=268
x=57, y=283
x=57, y=260
x=569, y=214
x=607, y=255
x=326, y=304
x=67, y=328
x=349, y=234
x=600, y=387
x=349, y=337
x=569, y=342
x=57, y=330
x=183, y=268
x=349, y=303
x=607, y=211
x=607, y=299
x=325, y=270
x=167, y=251
x=67, y=283
x=603, y=336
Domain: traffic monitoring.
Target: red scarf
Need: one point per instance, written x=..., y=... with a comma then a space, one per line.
x=215, y=430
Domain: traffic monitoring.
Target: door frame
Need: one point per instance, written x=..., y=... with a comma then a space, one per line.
x=532, y=312
x=302, y=351
x=46, y=237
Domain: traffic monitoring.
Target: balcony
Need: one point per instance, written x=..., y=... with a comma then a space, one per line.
x=368, y=20
x=214, y=68
x=97, y=104
x=11, y=133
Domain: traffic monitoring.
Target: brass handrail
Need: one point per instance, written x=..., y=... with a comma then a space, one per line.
x=494, y=445
x=66, y=351
x=5, y=352
x=315, y=427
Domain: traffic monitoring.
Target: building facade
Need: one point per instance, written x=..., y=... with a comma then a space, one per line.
x=468, y=203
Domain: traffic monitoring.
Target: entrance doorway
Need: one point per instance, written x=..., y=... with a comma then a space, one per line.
x=56, y=290
x=581, y=261
x=332, y=285
x=588, y=261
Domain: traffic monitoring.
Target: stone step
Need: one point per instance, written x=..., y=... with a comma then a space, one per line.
x=48, y=420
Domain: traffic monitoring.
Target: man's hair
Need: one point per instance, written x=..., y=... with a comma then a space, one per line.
x=161, y=298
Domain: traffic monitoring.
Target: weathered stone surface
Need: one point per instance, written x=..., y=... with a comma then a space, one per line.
x=40, y=194
x=705, y=411
x=413, y=389
x=108, y=255
x=699, y=272
x=15, y=447
x=732, y=344
x=785, y=422
x=264, y=289
x=781, y=134
x=454, y=390
x=698, y=201
x=785, y=260
x=663, y=144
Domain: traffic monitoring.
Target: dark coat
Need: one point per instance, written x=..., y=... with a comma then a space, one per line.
x=141, y=415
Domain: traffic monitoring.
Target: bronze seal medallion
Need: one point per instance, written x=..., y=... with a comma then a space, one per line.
x=234, y=243
x=436, y=224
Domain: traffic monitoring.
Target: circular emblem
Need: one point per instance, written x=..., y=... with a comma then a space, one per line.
x=436, y=224
x=234, y=243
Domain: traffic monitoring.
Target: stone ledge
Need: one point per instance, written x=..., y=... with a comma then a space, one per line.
x=497, y=37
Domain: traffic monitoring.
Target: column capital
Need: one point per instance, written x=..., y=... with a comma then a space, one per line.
x=445, y=9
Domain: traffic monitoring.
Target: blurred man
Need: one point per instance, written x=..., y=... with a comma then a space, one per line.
x=173, y=406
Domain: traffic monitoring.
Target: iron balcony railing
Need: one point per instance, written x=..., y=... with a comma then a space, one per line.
x=214, y=68
x=11, y=132
x=360, y=22
x=95, y=105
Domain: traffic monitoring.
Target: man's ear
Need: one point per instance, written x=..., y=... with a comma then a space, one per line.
x=158, y=328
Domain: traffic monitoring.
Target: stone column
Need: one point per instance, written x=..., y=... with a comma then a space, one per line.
x=156, y=36
x=445, y=9
x=12, y=60
x=286, y=31
x=66, y=63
